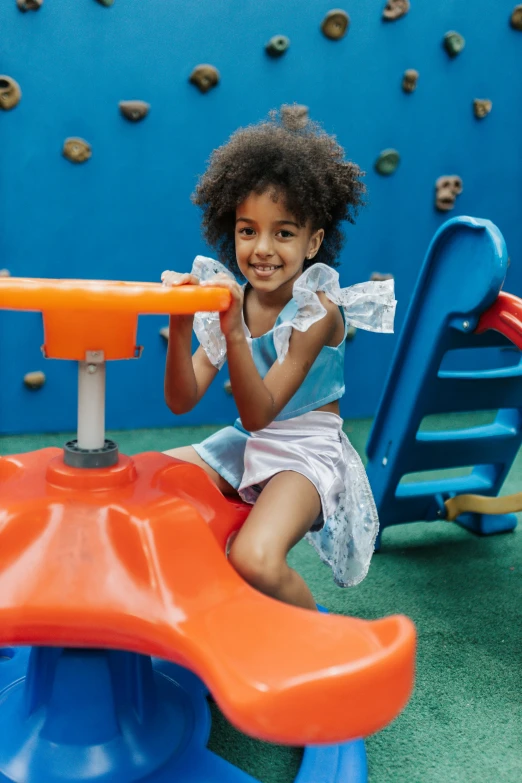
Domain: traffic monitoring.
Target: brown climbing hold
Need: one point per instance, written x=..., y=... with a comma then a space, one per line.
x=29, y=5
x=409, y=80
x=380, y=276
x=482, y=107
x=34, y=380
x=10, y=93
x=5, y=273
x=395, y=9
x=205, y=77
x=447, y=188
x=351, y=331
x=134, y=110
x=227, y=387
x=106, y=3
x=294, y=116
x=335, y=24
x=516, y=18
x=164, y=331
x=76, y=150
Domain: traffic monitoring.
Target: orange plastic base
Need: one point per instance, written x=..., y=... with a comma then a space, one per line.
x=132, y=557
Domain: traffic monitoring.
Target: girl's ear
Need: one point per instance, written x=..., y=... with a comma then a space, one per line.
x=314, y=243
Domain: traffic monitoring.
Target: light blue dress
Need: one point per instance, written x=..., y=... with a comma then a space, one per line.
x=301, y=438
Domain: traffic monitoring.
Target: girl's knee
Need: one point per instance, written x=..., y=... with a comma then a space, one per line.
x=257, y=565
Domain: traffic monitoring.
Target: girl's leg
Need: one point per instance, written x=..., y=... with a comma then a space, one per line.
x=285, y=510
x=189, y=454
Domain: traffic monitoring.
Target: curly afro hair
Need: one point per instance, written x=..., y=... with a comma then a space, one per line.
x=296, y=159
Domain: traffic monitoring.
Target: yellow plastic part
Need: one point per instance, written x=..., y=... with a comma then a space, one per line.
x=478, y=504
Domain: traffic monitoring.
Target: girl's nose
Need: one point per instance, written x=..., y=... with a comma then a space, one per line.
x=264, y=246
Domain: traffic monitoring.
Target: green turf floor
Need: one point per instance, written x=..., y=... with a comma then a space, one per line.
x=464, y=720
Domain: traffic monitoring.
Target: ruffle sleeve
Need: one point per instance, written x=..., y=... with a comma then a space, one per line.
x=206, y=325
x=370, y=305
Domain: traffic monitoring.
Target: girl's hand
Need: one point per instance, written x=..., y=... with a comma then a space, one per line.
x=171, y=279
x=231, y=320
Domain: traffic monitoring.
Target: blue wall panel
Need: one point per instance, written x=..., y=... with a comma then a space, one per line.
x=126, y=213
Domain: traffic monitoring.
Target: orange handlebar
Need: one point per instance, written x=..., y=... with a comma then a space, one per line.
x=25, y=293
x=101, y=315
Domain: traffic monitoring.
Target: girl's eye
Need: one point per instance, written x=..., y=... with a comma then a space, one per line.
x=285, y=234
x=247, y=231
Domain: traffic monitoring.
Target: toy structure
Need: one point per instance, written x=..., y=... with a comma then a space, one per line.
x=456, y=309
x=113, y=570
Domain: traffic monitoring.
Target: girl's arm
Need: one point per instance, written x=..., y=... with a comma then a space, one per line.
x=260, y=400
x=187, y=377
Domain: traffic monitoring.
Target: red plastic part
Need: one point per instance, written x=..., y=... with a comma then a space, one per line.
x=504, y=316
x=133, y=557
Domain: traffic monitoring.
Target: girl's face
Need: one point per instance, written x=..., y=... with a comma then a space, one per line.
x=271, y=247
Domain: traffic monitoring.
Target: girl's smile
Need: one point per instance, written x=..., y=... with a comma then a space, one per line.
x=264, y=271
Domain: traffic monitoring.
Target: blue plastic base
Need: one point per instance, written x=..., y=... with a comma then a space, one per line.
x=480, y=524
x=488, y=524
x=100, y=716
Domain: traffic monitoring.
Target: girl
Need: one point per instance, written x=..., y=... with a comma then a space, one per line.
x=273, y=199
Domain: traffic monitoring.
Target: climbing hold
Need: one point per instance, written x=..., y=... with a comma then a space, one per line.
x=277, y=45
x=482, y=107
x=351, y=331
x=29, y=5
x=134, y=110
x=34, y=380
x=76, y=150
x=294, y=116
x=5, y=273
x=227, y=387
x=10, y=93
x=204, y=77
x=164, y=331
x=335, y=24
x=454, y=43
x=395, y=9
x=410, y=79
x=380, y=276
x=106, y=3
x=447, y=188
x=387, y=162
x=516, y=18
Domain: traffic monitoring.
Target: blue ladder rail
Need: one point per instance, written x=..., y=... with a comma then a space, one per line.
x=441, y=366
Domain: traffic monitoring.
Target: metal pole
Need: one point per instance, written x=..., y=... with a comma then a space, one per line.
x=91, y=405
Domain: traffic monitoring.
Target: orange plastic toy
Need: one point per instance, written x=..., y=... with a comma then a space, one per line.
x=130, y=554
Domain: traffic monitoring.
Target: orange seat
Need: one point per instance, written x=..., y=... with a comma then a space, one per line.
x=132, y=557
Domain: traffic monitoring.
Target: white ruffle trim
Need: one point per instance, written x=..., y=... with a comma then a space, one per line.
x=370, y=305
x=206, y=325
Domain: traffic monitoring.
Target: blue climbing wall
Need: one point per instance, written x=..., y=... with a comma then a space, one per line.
x=126, y=213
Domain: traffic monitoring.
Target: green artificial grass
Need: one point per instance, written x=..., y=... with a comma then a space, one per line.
x=464, y=721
